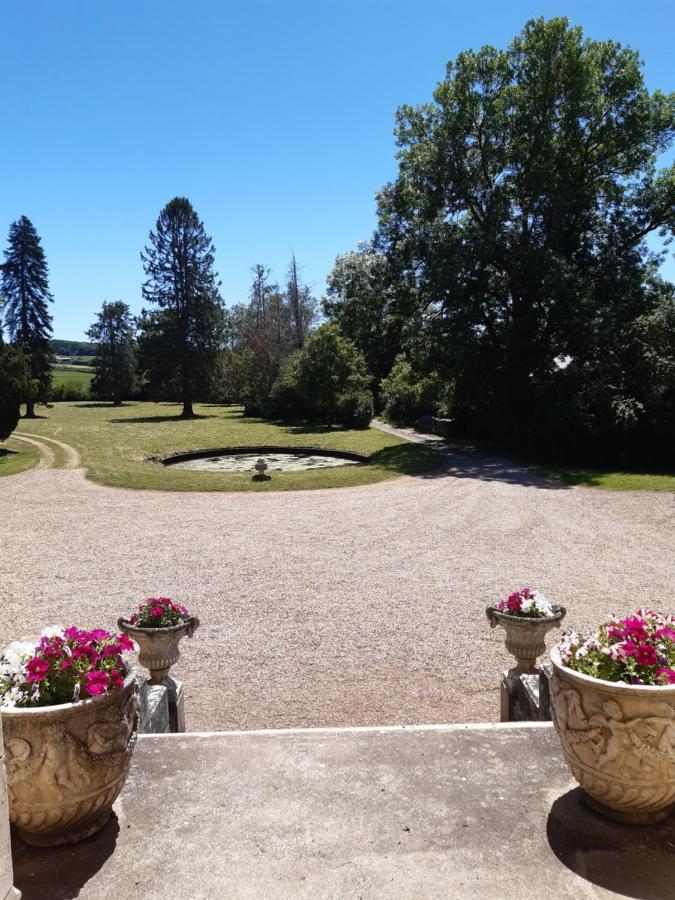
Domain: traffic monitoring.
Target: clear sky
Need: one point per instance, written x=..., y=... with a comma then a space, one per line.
x=274, y=118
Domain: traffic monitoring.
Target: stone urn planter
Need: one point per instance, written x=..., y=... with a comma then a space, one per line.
x=525, y=637
x=66, y=764
x=158, y=647
x=619, y=742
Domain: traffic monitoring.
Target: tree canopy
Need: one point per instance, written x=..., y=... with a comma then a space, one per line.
x=513, y=241
x=113, y=335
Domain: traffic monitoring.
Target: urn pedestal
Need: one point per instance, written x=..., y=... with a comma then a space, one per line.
x=526, y=640
x=158, y=647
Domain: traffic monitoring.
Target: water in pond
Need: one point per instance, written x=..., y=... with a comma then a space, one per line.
x=276, y=462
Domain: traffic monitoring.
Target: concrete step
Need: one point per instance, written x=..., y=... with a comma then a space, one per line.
x=431, y=811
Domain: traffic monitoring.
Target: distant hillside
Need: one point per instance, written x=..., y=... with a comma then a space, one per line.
x=72, y=348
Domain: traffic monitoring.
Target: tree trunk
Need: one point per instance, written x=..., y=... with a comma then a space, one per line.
x=188, y=412
x=30, y=410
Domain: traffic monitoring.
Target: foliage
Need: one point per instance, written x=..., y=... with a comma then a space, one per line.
x=159, y=612
x=262, y=335
x=513, y=247
x=13, y=376
x=361, y=299
x=113, y=333
x=25, y=285
x=64, y=666
x=326, y=381
x=526, y=604
x=637, y=650
x=72, y=348
x=181, y=337
x=406, y=395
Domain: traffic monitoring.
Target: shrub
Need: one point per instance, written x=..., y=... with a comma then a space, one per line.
x=407, y=396
x=326, y=381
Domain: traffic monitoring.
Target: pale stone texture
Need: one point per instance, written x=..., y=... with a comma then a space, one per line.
x=7, y=890
x=619, y=742
x=489, y=813
x=67, y=764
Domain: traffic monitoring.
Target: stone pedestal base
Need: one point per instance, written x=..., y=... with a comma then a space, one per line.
x=176, y=699
x=154, y=708
x=527, y=698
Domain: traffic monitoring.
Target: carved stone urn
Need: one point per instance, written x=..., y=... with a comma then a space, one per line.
x=66, y=764
x=525, y=637
x=619, y=742
x=158, y=647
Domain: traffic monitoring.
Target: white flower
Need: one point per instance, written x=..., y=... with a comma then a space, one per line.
x=53, y=631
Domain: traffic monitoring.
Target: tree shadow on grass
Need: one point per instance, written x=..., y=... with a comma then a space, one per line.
x=631, y=860
x=62, y=872
x=5, y=451
x=149, y=420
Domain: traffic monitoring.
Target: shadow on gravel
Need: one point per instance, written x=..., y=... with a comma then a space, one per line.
x=631, y=860
x=490, y=468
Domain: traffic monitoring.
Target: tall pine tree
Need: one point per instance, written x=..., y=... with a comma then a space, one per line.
x=181, y=338
x=25, y=285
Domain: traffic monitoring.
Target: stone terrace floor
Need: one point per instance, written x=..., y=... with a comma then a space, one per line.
x=487, y=812
x=360, y=606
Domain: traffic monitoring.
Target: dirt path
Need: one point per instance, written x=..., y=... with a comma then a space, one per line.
x=71, y=456
x=344, y=607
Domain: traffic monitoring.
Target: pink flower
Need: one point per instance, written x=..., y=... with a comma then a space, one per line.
x=124, y=643
x=157, y=611
x=628, y=648
x=635, y=629
x=96, y=683
x=645, y=655
x=116, y=679
x=514, y=602
x=99, y=634
x=667, y=676
x=133, y=619
x=37, y=669
x=666, y=633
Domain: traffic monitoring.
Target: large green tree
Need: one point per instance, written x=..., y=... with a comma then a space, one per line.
x=525, y=192
x=181, y=337
x=25, y=285
x=113, y=334
x=13, y=376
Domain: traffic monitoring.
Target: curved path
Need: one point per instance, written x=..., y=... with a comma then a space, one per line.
x=345, y=607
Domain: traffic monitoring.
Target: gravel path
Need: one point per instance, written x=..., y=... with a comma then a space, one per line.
x=346, y=607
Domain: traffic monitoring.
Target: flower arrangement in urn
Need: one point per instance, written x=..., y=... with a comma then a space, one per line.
x=526, y=616
x=69, y=715
x=157, y=627
x=613, y=701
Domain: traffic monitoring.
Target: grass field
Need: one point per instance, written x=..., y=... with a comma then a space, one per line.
x=114, y=443
x=64, y=374
x=607, y=479
x=17, y=456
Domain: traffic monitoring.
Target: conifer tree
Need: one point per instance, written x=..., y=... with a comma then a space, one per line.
x=25, y=285
x=113, y=334
x=181, y=337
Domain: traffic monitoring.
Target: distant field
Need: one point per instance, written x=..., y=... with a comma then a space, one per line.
x=114, y=443
x=79, y=375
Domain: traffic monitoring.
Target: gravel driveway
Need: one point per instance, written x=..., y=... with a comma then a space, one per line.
x=352, y=606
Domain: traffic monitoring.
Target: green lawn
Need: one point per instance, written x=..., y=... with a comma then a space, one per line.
x=17, y=456
x=79, y=375
x=607, y=479
x=114, y=443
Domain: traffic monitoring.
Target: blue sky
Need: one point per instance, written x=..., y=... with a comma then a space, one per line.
x=275, y=119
